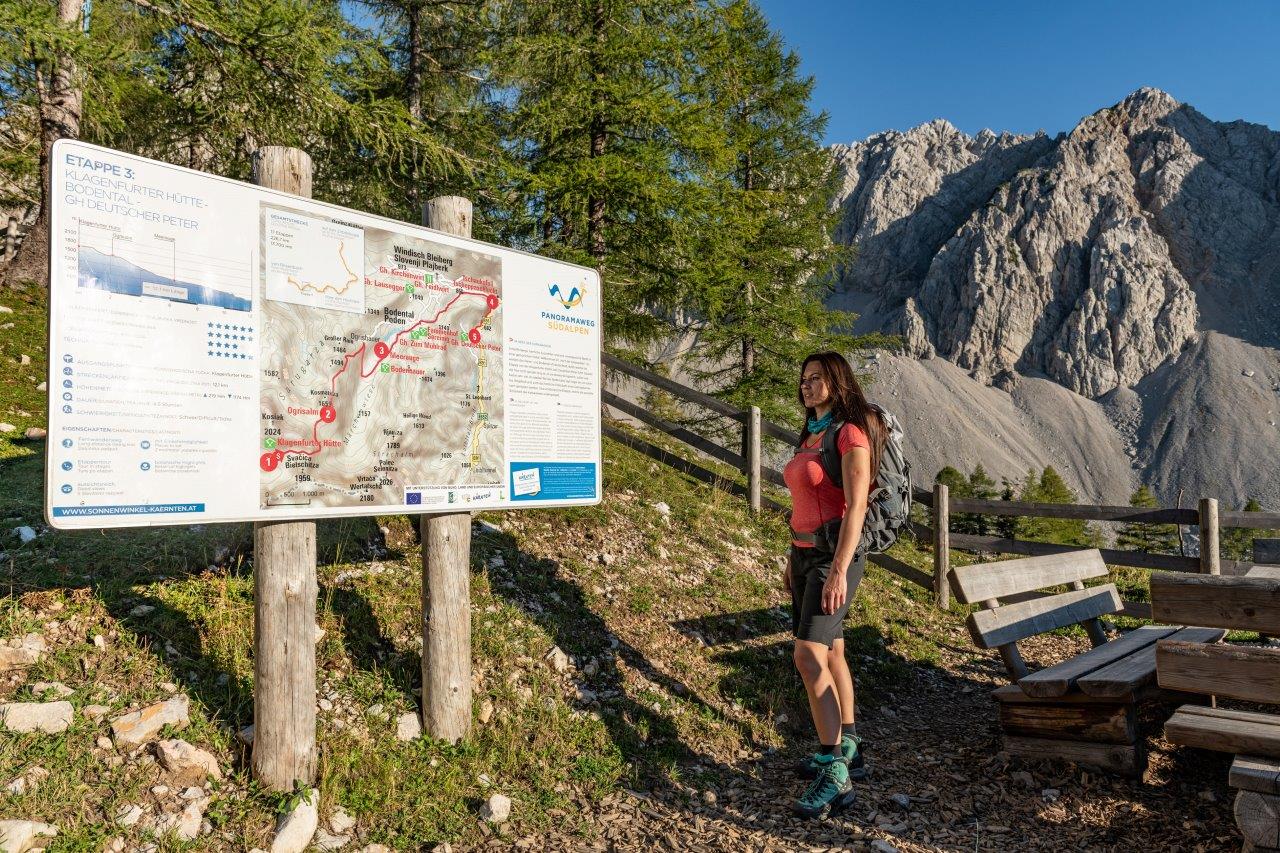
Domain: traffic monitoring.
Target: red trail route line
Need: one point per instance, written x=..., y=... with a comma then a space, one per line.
x=358, y=351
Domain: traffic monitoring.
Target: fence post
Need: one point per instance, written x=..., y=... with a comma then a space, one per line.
x=284, y=591
x=941, y=547
x=1209, y=561
x=446, y=571
x=753, y=458
x=11, y=238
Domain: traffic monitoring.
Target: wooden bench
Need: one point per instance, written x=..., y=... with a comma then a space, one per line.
x=1249, y=673
x=1083, y=709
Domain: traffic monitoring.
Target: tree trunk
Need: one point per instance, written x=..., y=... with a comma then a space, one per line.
x=748, y=343
x=595, y=202
x=413, y=80
x=60, y=102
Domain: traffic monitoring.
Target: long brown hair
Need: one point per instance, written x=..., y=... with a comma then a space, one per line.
x=848, y=403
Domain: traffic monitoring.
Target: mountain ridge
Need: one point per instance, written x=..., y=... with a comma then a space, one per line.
x=1133, y=261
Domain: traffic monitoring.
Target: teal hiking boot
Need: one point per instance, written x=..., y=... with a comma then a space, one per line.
x=830, y=791
x=850, y=750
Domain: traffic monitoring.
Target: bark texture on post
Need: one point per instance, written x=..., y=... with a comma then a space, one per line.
x=1209, y=562
x=941, y=547
x=284, y=592
x=753, y=458
x=446, y=572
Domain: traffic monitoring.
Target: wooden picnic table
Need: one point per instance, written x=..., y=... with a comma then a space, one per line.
x=1246, y=672
x=1085, y=708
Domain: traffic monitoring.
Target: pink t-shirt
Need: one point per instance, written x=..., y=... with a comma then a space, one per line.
x=814, y=498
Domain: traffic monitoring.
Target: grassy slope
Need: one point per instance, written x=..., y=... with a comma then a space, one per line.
x=678, y=618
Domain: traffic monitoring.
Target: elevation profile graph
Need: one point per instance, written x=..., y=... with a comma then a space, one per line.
x=148, y=264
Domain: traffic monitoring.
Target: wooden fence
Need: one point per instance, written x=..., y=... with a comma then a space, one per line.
x=1206, y=516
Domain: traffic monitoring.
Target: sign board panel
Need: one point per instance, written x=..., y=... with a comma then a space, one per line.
x=223, y=352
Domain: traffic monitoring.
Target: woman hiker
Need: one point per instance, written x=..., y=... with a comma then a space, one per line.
x=822, y=573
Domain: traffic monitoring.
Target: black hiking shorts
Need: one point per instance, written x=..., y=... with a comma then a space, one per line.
x=810, y=568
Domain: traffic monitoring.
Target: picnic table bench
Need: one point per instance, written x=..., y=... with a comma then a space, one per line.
x=1249, y=673
x=1085, y=708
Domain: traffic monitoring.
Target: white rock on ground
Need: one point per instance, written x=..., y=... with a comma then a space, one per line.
x=341, y=822
x=25, y=533
x=59, y=690
x=486, y=712
x=22, y=652
x=184, y=825
x=295, y=830
x=327, y=841
x=408, y=726
x=178, y=756
x=47, y=717
x=558, y=659
x=32, y=433
x=4, y=427
x=245, y=735
x=93, y=712
x=17, y=836
x=497, y=809
x=129, y=814
x=138, y=727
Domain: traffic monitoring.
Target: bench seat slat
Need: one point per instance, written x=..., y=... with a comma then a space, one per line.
x=985, y=581
x=1255, y=773
x=1138, y=669
x=1060, y=679
x=1222, y=730
x=1013, y=622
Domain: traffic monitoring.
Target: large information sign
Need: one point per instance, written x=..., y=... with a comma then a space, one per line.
x=219, y=351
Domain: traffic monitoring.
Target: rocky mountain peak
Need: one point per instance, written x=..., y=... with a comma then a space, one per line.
x=1094, y=259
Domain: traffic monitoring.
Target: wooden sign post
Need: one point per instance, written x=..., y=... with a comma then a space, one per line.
x=284, y=591
x=446, y=571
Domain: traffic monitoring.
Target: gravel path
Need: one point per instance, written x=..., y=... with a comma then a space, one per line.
x=939, y=782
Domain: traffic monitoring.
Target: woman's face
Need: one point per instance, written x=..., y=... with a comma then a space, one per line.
x=813, y=385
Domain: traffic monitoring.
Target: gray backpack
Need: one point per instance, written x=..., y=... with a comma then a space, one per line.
x=889, y=505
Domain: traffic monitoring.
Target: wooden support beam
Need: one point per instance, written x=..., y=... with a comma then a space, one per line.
x=446, y=571
x=1094, y=722
x=1122, y=759
x=284, y=592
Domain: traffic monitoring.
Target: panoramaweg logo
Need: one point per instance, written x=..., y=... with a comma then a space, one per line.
x=573, y=300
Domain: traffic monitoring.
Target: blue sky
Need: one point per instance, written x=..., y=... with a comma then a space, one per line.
x=1023, y=66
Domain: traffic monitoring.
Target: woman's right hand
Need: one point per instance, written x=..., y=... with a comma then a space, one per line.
x=786, y=574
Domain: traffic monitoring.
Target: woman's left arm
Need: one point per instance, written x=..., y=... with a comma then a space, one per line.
x=855, y=466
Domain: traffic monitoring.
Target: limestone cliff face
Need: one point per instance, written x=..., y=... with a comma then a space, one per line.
x=1091, y=258
x=1125, y=260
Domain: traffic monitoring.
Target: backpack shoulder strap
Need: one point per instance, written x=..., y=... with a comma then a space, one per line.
x=831, y=454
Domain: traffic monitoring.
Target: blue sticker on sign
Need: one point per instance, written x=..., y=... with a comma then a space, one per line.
x=553, y=481
x=413, y=498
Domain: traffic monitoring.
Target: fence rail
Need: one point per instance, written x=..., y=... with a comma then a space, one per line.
x=941, y=506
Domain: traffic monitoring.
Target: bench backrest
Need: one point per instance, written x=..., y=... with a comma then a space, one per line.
x=1266, y=551
x=1002, y=625
x=1249, y=603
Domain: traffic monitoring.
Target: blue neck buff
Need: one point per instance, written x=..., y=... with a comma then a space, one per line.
x=817, y=425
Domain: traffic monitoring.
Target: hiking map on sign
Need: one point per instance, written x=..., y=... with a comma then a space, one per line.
x=220, y=352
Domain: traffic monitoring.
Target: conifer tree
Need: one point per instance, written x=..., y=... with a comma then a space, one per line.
x=1144, y=537
x=1049, y=487
x=761, y=269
